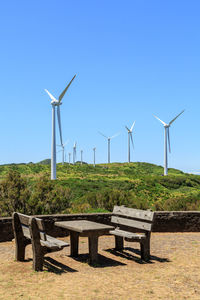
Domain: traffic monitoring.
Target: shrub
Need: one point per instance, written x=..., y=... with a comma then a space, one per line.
x=14, y=194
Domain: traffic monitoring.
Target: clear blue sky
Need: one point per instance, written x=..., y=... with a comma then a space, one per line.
x=132, y=58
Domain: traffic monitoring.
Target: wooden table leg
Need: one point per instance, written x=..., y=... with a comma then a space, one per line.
x=74, y=237
x=93, y=248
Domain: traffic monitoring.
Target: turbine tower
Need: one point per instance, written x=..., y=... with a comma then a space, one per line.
x=69, y=158
x=167, y=141
x=63, y=151
x=109, y=139
x=56, y=104
x=130, y=140
x=81, y=157
x=94, y=149
x=74, y=153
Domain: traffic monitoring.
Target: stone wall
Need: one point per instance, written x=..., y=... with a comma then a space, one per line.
x=164, y=222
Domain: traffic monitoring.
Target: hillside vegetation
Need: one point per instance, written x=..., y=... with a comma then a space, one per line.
x=84, y=188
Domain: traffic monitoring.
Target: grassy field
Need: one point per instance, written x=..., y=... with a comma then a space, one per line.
x=89, y=189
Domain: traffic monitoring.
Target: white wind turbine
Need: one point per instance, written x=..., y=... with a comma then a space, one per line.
x=63, y=151
x=74, y=153
x=56, y=103
x=130, y=140
x=94, y=149
x=167, y=141
x=81, y=157
x=69, y=158
x=109, y=139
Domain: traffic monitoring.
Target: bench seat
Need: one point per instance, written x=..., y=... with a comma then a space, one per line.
x=53, y=243
x=128, y=235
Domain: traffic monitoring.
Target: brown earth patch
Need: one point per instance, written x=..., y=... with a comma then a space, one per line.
x=173, y=272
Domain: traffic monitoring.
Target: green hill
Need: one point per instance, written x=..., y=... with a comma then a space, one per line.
x=89, y=188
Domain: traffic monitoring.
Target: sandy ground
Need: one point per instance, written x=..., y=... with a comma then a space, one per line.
x=172, y=273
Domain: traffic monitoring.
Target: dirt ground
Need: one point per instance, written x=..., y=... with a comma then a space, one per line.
x=172, y=273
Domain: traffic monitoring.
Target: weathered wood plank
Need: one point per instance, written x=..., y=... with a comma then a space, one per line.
x=129, y=235
x=84, y=226
x=24, y=219
x=57, y=242
x=134, y=213
x=40, y=224
x=131, y=223
x=26, y=231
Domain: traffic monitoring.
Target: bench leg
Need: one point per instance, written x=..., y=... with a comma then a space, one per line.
x=119, y=242
x=145, y=250
x=38, y=258
x=74, y=237
x=20, y=251
x=93, y=249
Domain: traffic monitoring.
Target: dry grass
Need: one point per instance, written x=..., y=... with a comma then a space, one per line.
x=173, y=272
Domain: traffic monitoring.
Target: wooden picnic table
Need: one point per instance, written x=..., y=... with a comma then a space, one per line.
x=89, y=229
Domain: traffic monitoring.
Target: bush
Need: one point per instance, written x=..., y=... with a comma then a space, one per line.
x=14, y=194
x=49, y=198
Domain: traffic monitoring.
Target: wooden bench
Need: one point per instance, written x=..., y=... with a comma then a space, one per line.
x=30, y=230
x=133, y=225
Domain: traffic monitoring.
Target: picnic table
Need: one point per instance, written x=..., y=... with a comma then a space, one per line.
x=85, y=228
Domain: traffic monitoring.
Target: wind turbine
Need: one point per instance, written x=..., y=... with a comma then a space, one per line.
x=167, y=140
x=81, y=157
x=56, y=103
x=109, y=139
x=130, y=139
x=74, y=153
x=94, y=149
x=63, y=151
x=69, y=158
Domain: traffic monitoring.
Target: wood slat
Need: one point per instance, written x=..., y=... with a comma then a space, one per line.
x=24, y=219
x=129, y=235
x=40, y=224
x=53, y=243
x=131, y=223
x=26, y=231
x=134, y=213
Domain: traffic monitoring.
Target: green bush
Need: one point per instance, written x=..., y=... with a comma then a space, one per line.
x=49, y=198
x=14, y=194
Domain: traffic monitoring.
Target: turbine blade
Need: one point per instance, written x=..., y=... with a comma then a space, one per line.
x=176, y=117
x=66, y=143
x=59, y=123
x=160, y=120
x=168, y=140
x=50, y=95
x=63, y=93
x=112, y=137
x=127, y=128
x=103, y=134
x=132, y=140
x=132, y=126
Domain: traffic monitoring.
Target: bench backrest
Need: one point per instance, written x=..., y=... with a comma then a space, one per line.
x=134, y=218
x=23, y=222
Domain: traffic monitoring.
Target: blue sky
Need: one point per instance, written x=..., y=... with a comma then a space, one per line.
x=132, y=58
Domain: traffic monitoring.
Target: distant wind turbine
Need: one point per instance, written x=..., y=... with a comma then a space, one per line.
x=130, y=140
x=81, y=157
x=109, y=139
x=63, y=151
x=56, y=103
x=74, y=153
x=69, y=158
x=167, y=140
x=94, y=149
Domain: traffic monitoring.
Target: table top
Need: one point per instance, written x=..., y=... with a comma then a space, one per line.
x=84, y=226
